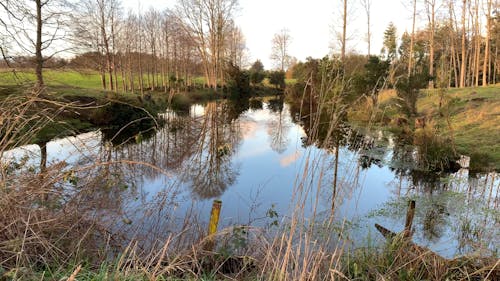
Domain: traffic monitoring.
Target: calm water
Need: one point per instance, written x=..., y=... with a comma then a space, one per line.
x=260, y=163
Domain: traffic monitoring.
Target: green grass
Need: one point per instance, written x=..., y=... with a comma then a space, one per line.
x=64, y=83
x=89, y=80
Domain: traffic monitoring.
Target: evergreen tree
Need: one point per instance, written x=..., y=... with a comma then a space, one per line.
x=389, y=49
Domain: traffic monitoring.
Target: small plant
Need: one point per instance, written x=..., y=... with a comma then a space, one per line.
x=272, y=214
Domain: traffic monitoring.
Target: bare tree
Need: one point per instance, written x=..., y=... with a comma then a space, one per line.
x=152, y=27
x=367, y=4
x=94, y=29
x=236, y=46
x=343, y=40
x=280, y=45
x=343, y=34
x=34, y=26
x=477, y=42
x=453, y=28
x=205, y=21
x=128, y=44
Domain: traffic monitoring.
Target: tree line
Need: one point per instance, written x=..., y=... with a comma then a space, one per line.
x=159, y=49
x=457, y=45
x=133, y=50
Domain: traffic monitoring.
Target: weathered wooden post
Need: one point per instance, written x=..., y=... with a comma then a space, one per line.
x=409, y=218
x=213, y=223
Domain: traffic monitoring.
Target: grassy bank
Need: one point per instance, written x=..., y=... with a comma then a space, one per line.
x=468, y=118
x=88, y=107
x=472, y=117
x=70, y=110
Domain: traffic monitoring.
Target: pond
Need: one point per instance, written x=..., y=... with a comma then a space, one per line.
x=261, y=161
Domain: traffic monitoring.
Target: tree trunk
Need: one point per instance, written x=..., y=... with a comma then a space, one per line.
x=462, y=66
x=486, y=64
x=477, y=45
x=367, y=6
x=113, y=50
x=412, y=39
x=495, y=66
x=344, y=30
x=432, y=23
x=38, y=46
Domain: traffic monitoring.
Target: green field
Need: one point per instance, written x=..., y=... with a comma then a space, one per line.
x=90, y=80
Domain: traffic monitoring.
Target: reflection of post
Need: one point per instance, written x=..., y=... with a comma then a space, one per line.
x=335, y=174
x=400, y=185
x=409, y=218
x=43, y=168
x=43, y=157
x=214, y=222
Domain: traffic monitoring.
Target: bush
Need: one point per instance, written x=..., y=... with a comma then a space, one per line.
x=256, y=77
x=238, y=82
x=407, y=89
x=277, y=78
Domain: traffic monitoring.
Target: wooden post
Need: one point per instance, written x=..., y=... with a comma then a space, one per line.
x=214, y=222
x=409, y=218
x=214, y=217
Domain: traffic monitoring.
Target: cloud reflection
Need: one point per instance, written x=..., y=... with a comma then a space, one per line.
x=290, y=159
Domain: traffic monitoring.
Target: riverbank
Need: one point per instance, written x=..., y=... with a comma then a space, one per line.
x=76, y=109
x=467, y=119
x=473, y=115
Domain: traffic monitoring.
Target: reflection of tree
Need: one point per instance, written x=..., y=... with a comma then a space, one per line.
x=210, y=170
x=276, y=104
x=450, y=211
x=370, y=153
x=196, y=147
x=433, y=221
x=235, y=107
x=121, y=122
x=256, y=104
x=405, y=164
x=278, y=126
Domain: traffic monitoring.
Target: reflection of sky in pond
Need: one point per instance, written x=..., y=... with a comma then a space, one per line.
x=266, y=163
x=73, y=150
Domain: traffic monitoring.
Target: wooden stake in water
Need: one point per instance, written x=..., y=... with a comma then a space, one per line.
x=409, y=218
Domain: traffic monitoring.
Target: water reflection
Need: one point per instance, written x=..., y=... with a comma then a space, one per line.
x=255, y=155
x=210, y=171
x=277, y=125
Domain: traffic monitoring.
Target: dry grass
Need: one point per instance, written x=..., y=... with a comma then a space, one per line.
x=401, y=259
x=33, y=232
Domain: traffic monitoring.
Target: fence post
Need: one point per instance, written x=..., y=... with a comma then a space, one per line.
x=213, y=223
